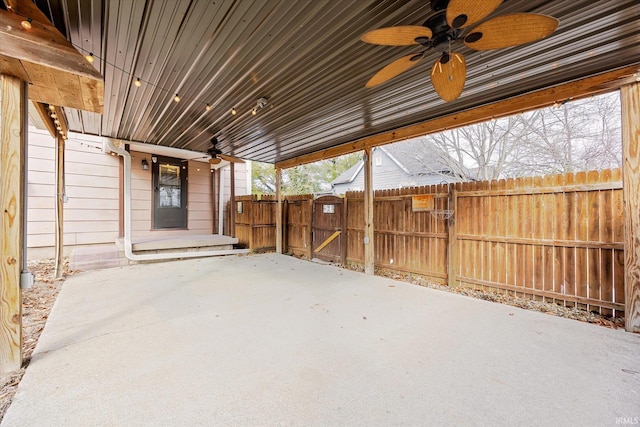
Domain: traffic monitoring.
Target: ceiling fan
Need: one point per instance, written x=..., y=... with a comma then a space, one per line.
x=217, y=156
x=448, y=27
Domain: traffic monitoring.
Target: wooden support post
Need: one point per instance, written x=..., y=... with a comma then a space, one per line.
x=453, y=238
x=13, y=101
x=213, y=202
x=232, y=200
x=59, y=268
x=221, y=214
x=630, y=100
x=285, y=227
x=278, y=210
x=368, y=213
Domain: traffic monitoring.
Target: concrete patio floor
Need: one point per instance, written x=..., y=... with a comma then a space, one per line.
x=273, y=340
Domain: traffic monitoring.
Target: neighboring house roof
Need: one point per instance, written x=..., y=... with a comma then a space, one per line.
x=418, y=157
x=349, y=175
x=414, y=157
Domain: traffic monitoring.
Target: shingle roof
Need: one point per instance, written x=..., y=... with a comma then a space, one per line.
x=418, y=157
x=414, y=156
x=349, y=175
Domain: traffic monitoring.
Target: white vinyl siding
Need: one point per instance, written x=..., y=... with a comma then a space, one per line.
x=91, y=215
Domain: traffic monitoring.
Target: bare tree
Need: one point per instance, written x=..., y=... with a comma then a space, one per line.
x=571, y=136
x=487, y=147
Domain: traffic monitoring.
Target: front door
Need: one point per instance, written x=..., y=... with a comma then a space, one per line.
x=169, y=193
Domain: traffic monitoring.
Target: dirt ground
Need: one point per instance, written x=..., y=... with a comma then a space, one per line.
x=38, y=301
x=36, y=305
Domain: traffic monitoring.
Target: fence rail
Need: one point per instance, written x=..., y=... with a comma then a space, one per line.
x=558, y=237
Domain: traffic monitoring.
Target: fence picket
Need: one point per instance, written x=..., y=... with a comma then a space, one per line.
x=556, y=237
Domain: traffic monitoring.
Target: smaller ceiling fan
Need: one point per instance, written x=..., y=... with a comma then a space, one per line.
x=217, y=156
x=445, y=29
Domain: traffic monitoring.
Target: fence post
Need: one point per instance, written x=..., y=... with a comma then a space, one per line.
x=278, y=210
x=285, y=226
x=310, y=228
x=630, y=100
x=452, y=246
x=369, y=253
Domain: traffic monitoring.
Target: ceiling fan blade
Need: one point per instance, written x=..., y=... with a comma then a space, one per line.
x=397, y=36
x=448, y=76
x=230, y=158
x=214, y=161
x=510, y=30
x=393, y=69
x=462, y=13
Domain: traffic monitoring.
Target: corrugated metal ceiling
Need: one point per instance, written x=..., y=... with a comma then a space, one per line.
x=306, y=57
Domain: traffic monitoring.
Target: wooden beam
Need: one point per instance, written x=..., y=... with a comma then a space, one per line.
x=368, y=213
x=42, y=56
x=232, y=200
x=278, y=210
x=12, y=145
x=43, y=112
x=630, y=100
x=59, y=234
x=28, y=9
x=600, y=83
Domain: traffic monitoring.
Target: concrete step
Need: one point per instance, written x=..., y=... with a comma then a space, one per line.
x=96, y=257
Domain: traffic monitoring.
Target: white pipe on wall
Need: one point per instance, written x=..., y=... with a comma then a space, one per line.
x=109, y=146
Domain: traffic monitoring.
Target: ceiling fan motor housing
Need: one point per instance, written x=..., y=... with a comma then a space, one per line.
x=437, y=5
x=443, y=34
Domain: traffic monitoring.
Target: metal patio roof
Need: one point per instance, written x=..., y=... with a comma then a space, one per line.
x=306, y=57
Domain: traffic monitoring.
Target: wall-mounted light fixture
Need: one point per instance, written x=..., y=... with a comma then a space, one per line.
x=145, y=165
x=154, y=159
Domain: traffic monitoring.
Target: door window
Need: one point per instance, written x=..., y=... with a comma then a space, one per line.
x=169, y=186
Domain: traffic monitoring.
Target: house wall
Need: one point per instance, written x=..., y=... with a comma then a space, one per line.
x=92, y=212
x=199, y=201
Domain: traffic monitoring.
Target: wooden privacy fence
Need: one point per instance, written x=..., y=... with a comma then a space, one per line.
x=558, y=238
x=256, y=222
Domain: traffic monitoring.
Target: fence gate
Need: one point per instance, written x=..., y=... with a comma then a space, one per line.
x=328, y=237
